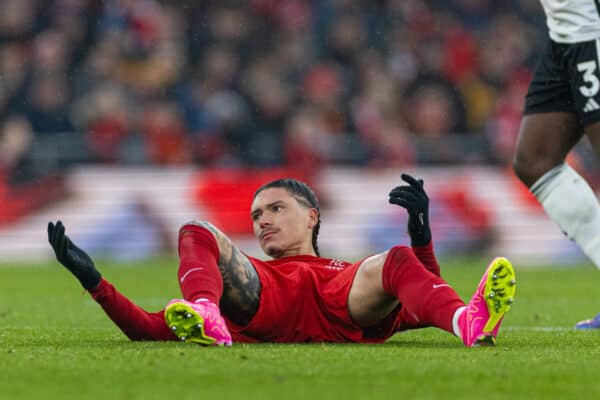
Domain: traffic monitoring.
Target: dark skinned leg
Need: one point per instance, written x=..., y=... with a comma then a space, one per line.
x=544, y=142
x=593, y=133
x=566, y=197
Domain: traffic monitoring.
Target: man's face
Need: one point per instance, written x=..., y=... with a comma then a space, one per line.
x=282, y=224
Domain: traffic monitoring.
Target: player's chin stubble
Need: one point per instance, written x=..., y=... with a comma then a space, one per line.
x=272, y=251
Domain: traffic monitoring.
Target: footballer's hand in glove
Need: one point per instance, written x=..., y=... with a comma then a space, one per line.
x=415, y=200
x=72, y=257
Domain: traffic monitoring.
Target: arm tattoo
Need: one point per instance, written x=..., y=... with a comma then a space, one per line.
x=241, y=286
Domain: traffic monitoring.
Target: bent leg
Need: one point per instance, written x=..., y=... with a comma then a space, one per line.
x=565, y=195
x=212, y=267
x=397, y=276
x=368, y=302
x=544, y=141
x=134, y=322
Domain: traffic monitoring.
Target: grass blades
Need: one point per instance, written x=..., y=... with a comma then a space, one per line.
x=56, y=343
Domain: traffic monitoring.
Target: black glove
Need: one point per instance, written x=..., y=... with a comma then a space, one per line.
x=416, y=202
x=72, y=257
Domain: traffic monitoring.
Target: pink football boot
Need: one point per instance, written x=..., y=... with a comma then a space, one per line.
x=200, y=322
x=480, y=321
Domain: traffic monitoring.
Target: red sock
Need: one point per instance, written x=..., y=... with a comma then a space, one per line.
x=199, y=274
x=135, y=322
x=426, y=255
x=427, y=297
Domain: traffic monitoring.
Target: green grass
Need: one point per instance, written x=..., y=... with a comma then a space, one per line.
x=56, y=343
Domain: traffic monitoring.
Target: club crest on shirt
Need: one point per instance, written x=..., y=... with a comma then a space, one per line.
x=336, y=264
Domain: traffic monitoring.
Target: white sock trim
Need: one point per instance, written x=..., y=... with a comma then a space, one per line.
x=544, y=186
x=573, y=206
x=200, y=300
x=455, y=326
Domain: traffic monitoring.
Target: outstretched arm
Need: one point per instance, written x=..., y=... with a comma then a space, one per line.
x=134, y=321
x=72, y=257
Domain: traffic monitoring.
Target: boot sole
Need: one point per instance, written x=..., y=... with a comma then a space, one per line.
x=187, y=324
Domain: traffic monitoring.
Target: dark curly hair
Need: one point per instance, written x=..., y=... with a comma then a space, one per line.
x=303, y=195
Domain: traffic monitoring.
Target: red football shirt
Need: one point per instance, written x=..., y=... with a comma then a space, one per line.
x=303, y=299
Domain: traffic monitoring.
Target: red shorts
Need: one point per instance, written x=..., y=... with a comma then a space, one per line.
x=305, y=299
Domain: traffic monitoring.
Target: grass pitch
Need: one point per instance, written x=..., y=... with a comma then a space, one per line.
x=56, y=343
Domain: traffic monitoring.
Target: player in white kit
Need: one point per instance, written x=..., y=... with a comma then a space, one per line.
x=562, y=105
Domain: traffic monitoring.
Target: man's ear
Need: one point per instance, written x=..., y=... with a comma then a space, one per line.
x=313, y=217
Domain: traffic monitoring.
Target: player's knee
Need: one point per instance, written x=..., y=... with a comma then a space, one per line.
x=197, y=225
x=377, y=266
x=372, y=267
x=197, y=233
x=529, y=169
x=397, y=256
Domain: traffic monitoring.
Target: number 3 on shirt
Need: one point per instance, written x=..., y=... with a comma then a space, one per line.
x=592, y=84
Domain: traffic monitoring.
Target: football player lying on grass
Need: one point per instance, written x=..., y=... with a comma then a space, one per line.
x=299, y=296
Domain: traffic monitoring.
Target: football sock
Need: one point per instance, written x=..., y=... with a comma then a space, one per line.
x=455, y=327
x=199, y=274
x=570, y=202
x=135, y=322
x=427, y=297
x=426, y=255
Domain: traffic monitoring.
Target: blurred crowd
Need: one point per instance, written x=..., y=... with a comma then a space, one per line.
x=294, y=83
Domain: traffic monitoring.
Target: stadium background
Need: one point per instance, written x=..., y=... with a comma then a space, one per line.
x=126, y=118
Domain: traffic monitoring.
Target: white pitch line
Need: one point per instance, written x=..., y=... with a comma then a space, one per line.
x=540, y=328
x=37, y=327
